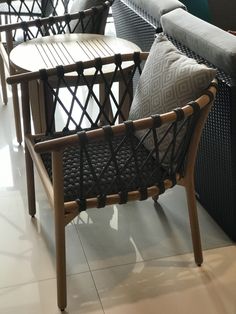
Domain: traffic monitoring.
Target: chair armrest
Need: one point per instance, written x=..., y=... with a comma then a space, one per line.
x=118, y=130
x=49, y=21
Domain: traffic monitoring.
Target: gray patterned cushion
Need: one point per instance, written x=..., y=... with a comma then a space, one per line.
x=169, y=80
x=81, y=5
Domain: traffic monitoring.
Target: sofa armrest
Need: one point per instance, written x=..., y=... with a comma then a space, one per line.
x=210, y=42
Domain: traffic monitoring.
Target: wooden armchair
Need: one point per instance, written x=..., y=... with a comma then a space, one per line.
x=92, y=20
x=83, y=164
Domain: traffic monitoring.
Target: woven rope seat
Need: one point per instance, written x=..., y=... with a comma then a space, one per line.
x=100, y=175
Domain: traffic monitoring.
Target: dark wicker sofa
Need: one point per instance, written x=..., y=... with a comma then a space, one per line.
x=139, y=20
x=216, y=163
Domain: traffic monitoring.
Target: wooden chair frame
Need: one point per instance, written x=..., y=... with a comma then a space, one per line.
x=37, y=145
x=87, y=20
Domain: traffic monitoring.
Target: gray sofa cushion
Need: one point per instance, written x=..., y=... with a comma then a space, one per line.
x=207, y=40
x=156, y=8
x=81, y=5
x=169, y=80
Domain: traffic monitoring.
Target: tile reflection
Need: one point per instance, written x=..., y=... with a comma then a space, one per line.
x=6, y=178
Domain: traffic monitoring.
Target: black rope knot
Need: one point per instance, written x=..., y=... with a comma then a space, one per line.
x=24, y=26
x=98, y=64
x=136, y=58
x=60, y=71
x=195, y=106
x=118, y=60
x=65, y=130
x=209, y=94
x=67, y=18
x=108, y=132
x=161, y=187
x=179, y=114
x=82, y=138
x=38, y=23
x=95, y=10
x=129, y=127
x=123, y=197
x=43, y=74
x=79, y=67
x=143, y=193
x=101, y=201
x=173, y=180
x=82, y=204
x=81, y=15
x=51, y=20
x=157, y=122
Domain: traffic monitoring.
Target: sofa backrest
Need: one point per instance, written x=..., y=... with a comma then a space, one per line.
x=156, y=8
x=210, y=42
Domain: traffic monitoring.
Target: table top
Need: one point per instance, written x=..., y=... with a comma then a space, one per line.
x=50, y=51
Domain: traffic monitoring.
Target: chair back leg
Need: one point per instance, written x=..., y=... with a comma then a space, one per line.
x=3, y=81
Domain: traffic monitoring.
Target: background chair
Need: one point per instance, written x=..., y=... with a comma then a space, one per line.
x=92, y=20
x=83, y=165
x=14, y=11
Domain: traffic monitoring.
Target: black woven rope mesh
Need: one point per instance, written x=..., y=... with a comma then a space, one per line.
x=114, y=164
x=84, y=24
x=34, y=8
x=100, y=155
x=78, y=99
x=136, y=168
x=122, y=163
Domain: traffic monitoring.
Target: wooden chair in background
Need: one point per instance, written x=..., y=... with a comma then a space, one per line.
x=92, y=20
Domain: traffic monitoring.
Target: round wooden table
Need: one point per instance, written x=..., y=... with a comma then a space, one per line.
x=51, y=51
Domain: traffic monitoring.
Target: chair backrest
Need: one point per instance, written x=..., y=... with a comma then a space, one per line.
x=87, y=21
x=21, y=10
x=81, y=114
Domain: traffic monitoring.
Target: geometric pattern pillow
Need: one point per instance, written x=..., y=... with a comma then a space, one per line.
x=81, y=5
x=169, y=80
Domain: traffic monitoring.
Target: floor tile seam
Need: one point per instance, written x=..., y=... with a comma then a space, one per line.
x=91, y=274
x=157, y=259
x=43, y=280
x=123, y=264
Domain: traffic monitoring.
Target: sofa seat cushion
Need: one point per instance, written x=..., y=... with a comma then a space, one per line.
x=210, y=42
x=169, y=80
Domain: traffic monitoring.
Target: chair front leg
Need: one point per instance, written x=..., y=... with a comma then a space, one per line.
x=58, y=189
x=193, y=218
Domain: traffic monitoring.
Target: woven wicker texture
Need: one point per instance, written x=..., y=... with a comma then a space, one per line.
x=216, y=160
x=132, y=26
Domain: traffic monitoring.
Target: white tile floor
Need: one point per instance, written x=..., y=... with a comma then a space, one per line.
x=120, y=260
x=129, y=259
